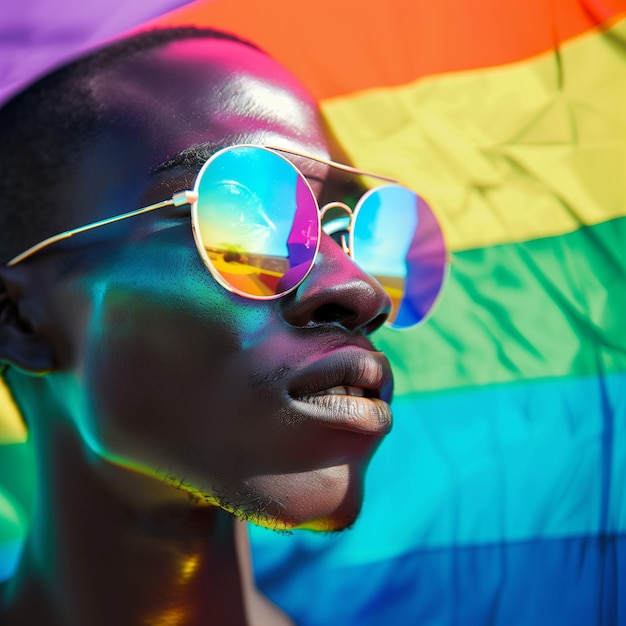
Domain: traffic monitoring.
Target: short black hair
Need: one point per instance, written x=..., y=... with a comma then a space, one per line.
x=44, y=125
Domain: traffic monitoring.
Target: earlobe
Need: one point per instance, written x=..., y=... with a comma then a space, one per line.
x=21, y=345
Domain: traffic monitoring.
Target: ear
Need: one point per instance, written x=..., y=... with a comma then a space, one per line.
x=22, y=345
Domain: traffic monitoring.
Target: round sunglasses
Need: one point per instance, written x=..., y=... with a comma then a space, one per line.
x=257, y=226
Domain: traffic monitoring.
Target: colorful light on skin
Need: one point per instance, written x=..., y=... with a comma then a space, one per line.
x=156, y=371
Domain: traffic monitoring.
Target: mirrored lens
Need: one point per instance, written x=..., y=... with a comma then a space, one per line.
x=256, y=222
x=396, y=238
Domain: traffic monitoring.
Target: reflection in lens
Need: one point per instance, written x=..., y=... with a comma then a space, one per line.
x=256, y=220
x=396, y=238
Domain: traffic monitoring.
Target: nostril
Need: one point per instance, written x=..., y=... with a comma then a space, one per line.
x=334, y=313
x=376, y=323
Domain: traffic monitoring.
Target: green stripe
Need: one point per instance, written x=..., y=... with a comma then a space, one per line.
x=543, y=308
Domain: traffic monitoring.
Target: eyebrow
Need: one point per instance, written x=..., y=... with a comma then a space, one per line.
x=194, y=156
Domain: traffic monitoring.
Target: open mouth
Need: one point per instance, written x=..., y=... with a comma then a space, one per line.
x=343, y=390
x=350, y=389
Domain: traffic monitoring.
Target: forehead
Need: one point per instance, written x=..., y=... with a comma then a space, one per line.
x=209, y=91
x=157, y=103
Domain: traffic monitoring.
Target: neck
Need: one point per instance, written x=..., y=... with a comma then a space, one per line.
x=95, y=558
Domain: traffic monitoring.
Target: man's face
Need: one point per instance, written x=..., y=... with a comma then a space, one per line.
x=172, y=376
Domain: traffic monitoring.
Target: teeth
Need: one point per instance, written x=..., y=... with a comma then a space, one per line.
x=342, y=391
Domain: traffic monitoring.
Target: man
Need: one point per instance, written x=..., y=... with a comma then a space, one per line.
x=158, y=401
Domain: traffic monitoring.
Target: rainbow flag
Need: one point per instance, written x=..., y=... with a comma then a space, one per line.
x=499, y=497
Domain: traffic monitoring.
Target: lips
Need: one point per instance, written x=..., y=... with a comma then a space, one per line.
x=350, y=389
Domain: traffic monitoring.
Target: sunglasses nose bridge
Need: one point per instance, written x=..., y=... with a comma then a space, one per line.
x=343, y=206
x=335, y=205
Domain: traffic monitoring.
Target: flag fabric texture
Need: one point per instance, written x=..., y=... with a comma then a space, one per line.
x=498, y=497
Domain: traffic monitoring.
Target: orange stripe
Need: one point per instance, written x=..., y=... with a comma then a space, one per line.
x=342, y=46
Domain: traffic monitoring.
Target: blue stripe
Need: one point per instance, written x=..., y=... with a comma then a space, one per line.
x=573, y=582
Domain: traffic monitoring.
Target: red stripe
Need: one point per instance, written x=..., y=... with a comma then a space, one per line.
x=342, y=46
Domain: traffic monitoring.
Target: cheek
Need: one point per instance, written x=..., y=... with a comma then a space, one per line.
x=152, y=357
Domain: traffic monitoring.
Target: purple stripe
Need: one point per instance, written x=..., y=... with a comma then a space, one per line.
x=37, y=36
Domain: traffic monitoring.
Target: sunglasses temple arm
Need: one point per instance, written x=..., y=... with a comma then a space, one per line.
x=339, y=166
x=178, y=199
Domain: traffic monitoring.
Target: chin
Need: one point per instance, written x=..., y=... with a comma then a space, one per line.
x=325, y=500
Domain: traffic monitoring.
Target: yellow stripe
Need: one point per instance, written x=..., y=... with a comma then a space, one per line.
x=12, y=428
x=506, y=154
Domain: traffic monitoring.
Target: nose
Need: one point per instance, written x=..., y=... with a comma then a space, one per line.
x=337, y=292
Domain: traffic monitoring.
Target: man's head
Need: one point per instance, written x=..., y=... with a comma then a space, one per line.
x=148, y=364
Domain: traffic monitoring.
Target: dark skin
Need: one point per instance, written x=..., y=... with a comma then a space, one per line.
x=160, y=404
